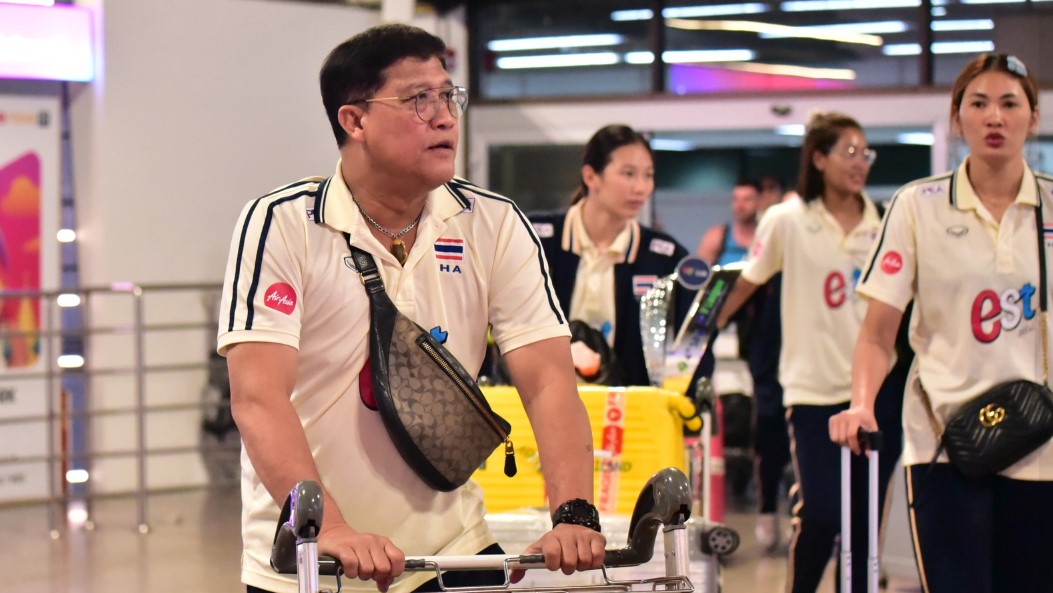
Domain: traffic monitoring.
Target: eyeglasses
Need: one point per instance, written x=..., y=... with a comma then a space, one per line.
x=869, y=155
x=427, y=102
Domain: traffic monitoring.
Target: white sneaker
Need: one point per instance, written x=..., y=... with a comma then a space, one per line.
x=767, y=531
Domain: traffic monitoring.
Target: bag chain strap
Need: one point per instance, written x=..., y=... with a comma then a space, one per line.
x=1042, y=298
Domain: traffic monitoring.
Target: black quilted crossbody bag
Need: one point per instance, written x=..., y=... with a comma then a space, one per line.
x=1007, y=422
x=439, y=420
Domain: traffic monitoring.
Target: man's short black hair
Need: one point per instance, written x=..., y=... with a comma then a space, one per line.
x=355, y=68
x=749, y=182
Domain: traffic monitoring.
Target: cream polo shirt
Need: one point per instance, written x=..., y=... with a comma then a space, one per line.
x=593, y=298
x=290, y=280
x=974, y=283
x=821, y=313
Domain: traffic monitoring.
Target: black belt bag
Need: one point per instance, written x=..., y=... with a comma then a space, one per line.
x=434, y=412
x=1007, y=422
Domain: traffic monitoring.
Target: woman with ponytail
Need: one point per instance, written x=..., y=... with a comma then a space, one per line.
x=602, y=260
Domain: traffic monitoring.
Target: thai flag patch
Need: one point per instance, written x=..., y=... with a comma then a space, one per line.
x=449, y=249
x=1047, y=232
x=641, y=284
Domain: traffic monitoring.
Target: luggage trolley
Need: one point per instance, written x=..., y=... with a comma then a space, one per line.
x=664, y=502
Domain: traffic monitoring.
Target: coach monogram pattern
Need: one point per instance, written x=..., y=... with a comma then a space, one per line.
x=440, y=413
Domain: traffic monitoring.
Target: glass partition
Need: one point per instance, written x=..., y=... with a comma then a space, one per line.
x=552, y=48
x=695, y=171
x=591, y=48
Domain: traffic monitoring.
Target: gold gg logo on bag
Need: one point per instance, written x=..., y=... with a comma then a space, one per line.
x=991, y=415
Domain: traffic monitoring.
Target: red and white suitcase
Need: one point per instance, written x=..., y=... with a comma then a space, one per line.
x=870, y=442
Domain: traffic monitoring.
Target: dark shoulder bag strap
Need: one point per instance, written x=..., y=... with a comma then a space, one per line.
x=1043, y=297
x=382, y=313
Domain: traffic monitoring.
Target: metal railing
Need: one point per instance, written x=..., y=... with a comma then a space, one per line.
x=72, y=411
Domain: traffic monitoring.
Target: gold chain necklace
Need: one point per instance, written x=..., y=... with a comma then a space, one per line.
x=398, y=248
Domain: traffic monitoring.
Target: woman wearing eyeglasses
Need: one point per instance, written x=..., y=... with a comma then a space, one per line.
x=819, y=242
x=964, y=246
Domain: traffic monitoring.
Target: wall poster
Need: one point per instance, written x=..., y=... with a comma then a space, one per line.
x=29, y=209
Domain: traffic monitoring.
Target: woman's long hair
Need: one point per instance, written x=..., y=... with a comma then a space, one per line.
x=824, y=129
x=598, y=151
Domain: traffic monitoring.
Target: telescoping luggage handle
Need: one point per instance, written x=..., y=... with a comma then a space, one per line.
x=665, y=501
x=870, y=442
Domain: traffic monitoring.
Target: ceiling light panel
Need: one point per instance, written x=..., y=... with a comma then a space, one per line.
x=692, y=56
x=939, y=47
x=558, y=61
x=818, y=5
x=686, y=12
x=963, y=25
x=556, y=42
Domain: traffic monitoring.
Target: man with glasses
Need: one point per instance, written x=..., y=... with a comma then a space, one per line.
x=456, y=259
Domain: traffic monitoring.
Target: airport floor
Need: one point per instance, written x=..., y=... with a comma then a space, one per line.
x=193, y=547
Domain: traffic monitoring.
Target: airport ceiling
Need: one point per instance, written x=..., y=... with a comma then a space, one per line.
x=440, y=5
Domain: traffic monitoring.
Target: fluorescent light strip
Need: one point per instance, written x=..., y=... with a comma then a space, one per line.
x=918, y=138
x=891, y=27
x=685, y=12
x=797, y=71
x=671, y=145
x=901, y=49
x=557, y=61
x=992, y=1
x=561, y=41
x=939, y=47
x=875, y=28
x=790, y=130
x=645, y=14
x=816, y=5
x=639, y=57
x=692, y=56
x=773, y=30
x=30, y=2
x=640, y=14
x=963, y=25
x=707, y=55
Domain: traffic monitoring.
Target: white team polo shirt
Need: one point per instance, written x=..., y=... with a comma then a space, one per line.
x=821, y=313
x=974, y=282
x=290, y=280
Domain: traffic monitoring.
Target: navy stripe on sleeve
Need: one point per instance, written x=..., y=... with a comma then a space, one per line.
x=259, y=255
x=881, y=238
x=237, y=264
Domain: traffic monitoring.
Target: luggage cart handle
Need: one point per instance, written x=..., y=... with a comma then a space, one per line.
x=329, y=566
x=664, y=501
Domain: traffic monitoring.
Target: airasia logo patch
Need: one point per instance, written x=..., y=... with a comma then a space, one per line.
x=281, y=297
x=891, y=263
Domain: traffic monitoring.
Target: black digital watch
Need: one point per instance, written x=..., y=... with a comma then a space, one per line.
x=577, y=512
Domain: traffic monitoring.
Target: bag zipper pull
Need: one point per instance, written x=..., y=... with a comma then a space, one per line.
x=510, y=458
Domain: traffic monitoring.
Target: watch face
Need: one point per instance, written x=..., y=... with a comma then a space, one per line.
x=577, y=512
